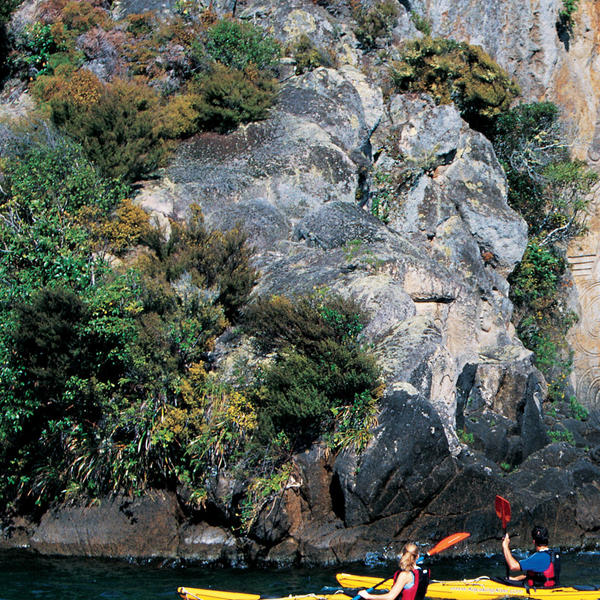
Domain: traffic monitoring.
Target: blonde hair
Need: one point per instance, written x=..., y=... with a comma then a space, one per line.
x=408, y=560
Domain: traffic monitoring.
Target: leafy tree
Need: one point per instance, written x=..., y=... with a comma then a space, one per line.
x=551, y=191
x=545, y=185
x=51, y=178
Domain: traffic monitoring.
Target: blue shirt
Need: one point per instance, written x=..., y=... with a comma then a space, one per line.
x=538, y=562
x=408, y=586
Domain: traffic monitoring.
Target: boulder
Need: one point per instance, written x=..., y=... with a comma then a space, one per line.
x=115, y=527
x=404, y=466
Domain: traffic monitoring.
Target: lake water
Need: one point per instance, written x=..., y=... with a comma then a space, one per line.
x=25, y=576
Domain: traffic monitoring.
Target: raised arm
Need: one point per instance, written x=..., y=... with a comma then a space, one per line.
x=512, y=563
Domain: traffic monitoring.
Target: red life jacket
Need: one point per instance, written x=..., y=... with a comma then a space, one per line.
x=549, y=577
x=411, y=593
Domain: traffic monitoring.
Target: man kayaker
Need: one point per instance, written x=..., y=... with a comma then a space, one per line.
x=541, y=568
x=406, y=579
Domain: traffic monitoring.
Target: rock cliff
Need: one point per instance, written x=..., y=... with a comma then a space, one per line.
x=432, y=276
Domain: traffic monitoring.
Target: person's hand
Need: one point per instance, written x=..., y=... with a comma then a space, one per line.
x=363, y=593
x=506, y=541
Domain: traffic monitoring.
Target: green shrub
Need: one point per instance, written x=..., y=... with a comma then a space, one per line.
x=215, y=260
x=117, y=124
x=238, y=45
x=537, y=275
x=47, y=183
x=578, y=411
x=81, y=16
x=420, y=23
x=320, y=369
x=551, y=192
x=376, y=22
x=141, y=24
x=94, y=358
x=305, y=322
x=46, y=339
x=229, y=97
x=456, y=72
x=179, y=117
x=383, y=195
x=544, y=333
x=307, y=56
x=465, y=437
x=35, y=44
x=562, y=436
x=565, y=15
x=545, y=185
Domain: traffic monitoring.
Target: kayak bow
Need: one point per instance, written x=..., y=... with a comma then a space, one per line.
x=202, y=594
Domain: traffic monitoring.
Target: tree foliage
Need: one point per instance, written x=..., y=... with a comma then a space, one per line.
x=239, y=44
x=545, y=185
x=551, y=191
x=98, y=360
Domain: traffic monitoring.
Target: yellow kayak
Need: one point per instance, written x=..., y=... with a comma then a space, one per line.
x=482, y=588
x=187, y=593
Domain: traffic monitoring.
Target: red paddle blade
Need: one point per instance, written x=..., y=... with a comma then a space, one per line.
x=503, y=510
x=448, y=541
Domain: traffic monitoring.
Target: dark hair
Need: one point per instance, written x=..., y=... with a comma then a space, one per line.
x=540, y=535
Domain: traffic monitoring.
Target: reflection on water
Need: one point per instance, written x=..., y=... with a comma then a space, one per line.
x=26, y=576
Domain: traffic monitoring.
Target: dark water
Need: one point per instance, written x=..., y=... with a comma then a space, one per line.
x=23, y=576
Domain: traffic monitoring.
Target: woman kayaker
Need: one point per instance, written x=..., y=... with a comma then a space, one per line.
x=406, y=579
x=541, y=569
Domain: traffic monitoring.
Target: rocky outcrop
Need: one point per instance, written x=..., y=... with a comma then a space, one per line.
x=432, y=277
x=530, y=41
x=112, y=528
x=397, y=203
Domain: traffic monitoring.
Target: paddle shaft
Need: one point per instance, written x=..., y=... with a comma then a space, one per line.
x=502, y=506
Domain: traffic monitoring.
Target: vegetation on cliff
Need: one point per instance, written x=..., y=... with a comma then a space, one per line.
x=107, y=322
x=548, y=188
x=551, y=191
x=456, y=72
x=156, y=82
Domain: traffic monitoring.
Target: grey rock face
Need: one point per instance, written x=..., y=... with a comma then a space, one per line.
x=432, y=279
x=448, y=171
x=406, y=464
